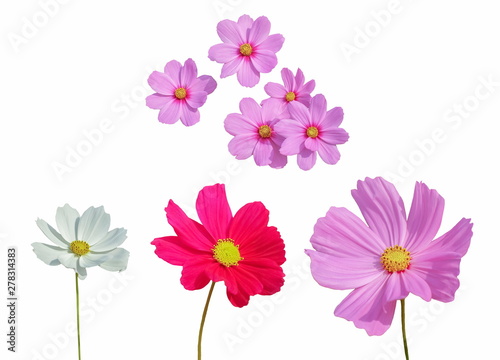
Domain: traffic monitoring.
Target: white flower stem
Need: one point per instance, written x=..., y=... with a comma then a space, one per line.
x=78, y=314
x=203, y=318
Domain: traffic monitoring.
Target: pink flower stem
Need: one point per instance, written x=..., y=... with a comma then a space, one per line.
x=203, y=318
x=404, y=328
x=78, y=314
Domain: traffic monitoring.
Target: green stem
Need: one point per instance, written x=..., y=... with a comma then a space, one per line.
x=404, y=328
x=78, y=314
x=203, y=318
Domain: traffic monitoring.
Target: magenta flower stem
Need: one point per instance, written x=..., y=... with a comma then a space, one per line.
x=203, y=318
x=78, y=314
x=403, y=325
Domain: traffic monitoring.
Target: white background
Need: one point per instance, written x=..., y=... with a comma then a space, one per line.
x=84, y=63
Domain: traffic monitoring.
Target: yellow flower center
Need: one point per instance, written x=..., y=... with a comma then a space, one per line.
x=180, y=93
x=312, y=132
x=226, y=253
x=395, y=258
x=246, y=49
x=79, y=247
x=265, y=131
x=290, y=96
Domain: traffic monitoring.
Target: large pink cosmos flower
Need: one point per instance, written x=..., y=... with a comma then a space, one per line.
x=392, y=257
x=240, y=250
x=247, y=48
x=254, y=133
x=179, y=92
x=294, y=89
x=312, y=130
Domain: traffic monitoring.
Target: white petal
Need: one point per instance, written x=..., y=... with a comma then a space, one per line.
x=52, y=234
x=90, y=259
x=93, y=225
x=67, y=221
x=113, y=239
x=48, y=253
x=68, y=259
x=118, y=262
x=81, y=271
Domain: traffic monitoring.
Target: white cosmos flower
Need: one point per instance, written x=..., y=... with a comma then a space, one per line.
x=82, y=241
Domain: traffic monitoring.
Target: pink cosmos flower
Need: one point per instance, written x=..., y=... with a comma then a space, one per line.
x=179, y=92
x=312, y=130
x=240, y=250
x=392, y=257
x=254, y=133
x=294, y=89
x=247, y=48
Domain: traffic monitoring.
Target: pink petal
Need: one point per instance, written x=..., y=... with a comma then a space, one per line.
x=213, y=210
x=172, y=70
x=425, y=217
x=237, y=124
x=264, y=60
x=196, y=99
x=189, y=72
x=275, y=90
x=382, y=209
x=288, y=80
x=395, y=288
x=299, y=79
x=289, y=127
x=161, y=83
x=245, y=22
x=171, y=112
x=334, y=136
x=229, y=32
x=209, y=82
x=232, y=67
x=292, y=145
x=328, y=153
x=252, y=110
x=278, y=161
x=344, y=235
x=270, y=113
x=300, y=113
x=333, y=118
x=341, y=273
x=312, y=144
x=223, y=53
x=193, y=273
x=187, y=229
x=364, y=306
x=242, y=146
x=456, y=240
x=318, y=109
x=306, y=159
x=263, y=152
x=157, y=101
x=273, y=43
x=416, y=284
x=189, y=115
x=259, y=30
x=247, y=74
x=307, y=88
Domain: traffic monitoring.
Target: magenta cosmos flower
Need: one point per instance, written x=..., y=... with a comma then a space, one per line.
x=240, y=250
x=179, y=92
x=392, y=257
x=254, y=134
x=247, y=48
x=312, y=130
x=293, y=89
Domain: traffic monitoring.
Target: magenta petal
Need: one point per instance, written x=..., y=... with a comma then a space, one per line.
x=364, y=306
x=247, y=75
x=259, y=30
x=242, y=146
x=292, y=145
x=173, y=69
x=329, y=153
x=171, y=112
x=213, y=210
x=161, y=83
x=382, y=209
x=232, y=67
x=312, y=144
x=210, y=83
x=193, y=273
x=306, y=159
x=189, y=116
x=157, y=101
x=341, y=273
x=288, y=79
x=189, y=72
x=273, y=43
x=196, y=99
x=237, y=124
x=229, y=32
x=425, y=217
x=264, y=60
x=275, y=90
x=263, y=151
x=300, y=112
x=333, y=118
x=318, y=109
x=223, y=53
